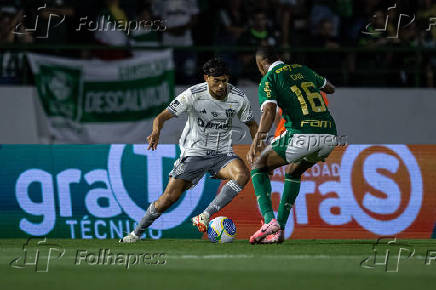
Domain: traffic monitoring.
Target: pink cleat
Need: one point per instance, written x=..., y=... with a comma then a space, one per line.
x=277, y=238
x=265, y=230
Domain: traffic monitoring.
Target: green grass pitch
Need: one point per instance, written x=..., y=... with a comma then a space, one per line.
x=199, y=264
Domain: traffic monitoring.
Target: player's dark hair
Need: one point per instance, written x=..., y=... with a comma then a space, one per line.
x=268, y=53
x=215, y=67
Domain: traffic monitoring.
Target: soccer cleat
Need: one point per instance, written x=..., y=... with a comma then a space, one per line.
x=130, y=238
x=265, y=230
x=277, y=238
x=201, y=222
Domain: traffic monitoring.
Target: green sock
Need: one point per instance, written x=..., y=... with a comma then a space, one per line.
x=262, y=190
x=290, y=192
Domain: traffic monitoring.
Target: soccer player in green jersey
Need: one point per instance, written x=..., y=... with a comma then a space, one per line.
x=310, y=135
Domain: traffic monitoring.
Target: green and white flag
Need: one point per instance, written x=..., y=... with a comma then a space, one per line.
x=94, y=101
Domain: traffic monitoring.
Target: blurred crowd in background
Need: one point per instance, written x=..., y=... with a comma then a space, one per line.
x=317, y=33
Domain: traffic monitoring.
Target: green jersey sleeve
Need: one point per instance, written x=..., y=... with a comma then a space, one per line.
x=312, y=76
x=267, y=93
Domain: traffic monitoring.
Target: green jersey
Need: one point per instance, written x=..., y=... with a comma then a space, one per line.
x=296, y=90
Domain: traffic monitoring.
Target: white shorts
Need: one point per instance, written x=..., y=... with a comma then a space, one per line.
x=308, y=147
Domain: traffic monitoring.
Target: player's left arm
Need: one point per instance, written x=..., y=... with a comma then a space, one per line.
x=253, y=127
x=245, y=114
x=266, y=122
x=268, y=104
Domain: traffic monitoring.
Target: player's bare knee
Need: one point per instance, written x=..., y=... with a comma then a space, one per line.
x=242, y=177
x=292, y=171
x=296, y=170
x=290, y=168
x=259, y=163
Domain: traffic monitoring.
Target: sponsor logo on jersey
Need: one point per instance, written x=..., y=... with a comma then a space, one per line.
x=213, y=124
x=316, y=123
x=215, y=114
x=267, y=90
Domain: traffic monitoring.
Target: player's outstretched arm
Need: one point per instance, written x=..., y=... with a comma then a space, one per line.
x=252, y=125
x=266, y=121
x=329, y=88
x=158, y=123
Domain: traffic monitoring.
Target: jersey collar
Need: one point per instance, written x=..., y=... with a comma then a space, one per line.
x=276, y=63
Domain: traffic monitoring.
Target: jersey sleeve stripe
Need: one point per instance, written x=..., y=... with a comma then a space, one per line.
x=199, y=88
x=237, y=92
x=171, y=111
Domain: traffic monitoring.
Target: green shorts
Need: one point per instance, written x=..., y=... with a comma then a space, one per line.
x=280, y=143
x=308, y=147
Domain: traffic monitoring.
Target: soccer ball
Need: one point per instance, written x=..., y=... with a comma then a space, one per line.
x=221, y=230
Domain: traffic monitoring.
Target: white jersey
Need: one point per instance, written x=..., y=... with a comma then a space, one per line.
x=208, y=130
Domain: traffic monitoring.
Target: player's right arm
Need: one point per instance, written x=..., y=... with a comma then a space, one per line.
x=320, y=82
x=158, y=123
x=328, y=88
x=179, y=105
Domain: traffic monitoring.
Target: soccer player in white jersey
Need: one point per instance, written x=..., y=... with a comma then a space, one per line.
x=206, y=144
